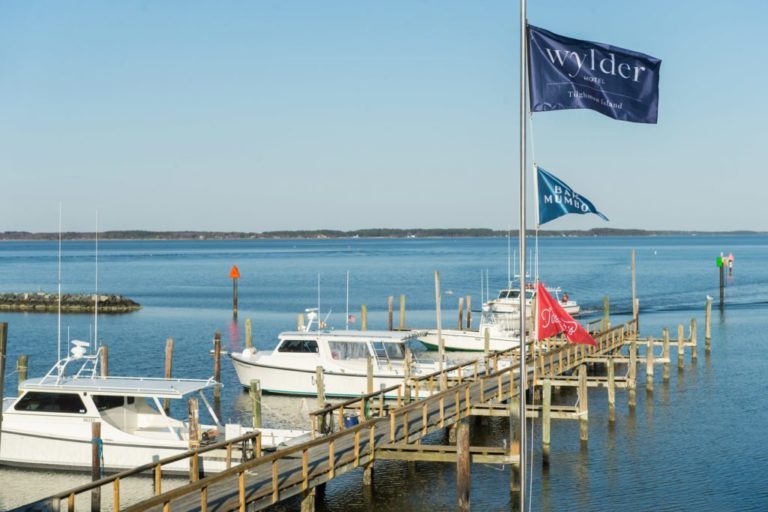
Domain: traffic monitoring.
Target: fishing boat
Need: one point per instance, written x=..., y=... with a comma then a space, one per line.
x=49, y=424
x=503, y=334
x=291, y=368
x=508, y=301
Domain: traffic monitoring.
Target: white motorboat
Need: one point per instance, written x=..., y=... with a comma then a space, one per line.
x=508, y=301
x=291, y=367
x=49, y=424
x=503, y=334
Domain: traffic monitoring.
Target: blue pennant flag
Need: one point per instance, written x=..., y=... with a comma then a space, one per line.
x=570, y=73
x=557, y=199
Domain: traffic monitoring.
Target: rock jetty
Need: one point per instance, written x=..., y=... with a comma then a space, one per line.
x=70, y=303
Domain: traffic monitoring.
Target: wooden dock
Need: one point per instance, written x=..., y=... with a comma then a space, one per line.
x=394, y=430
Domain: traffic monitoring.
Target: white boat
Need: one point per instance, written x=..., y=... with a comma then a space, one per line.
x=508, y=301
x=49, y=424
x=503, y=330
x=291, y=367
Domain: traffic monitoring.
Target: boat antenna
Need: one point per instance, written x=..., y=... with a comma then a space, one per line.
x=96, y=295
x=482, y=288
x=347, y=317
x=58, y=317
x=318, y=298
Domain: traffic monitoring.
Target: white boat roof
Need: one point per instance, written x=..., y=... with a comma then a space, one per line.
x=118, y=386
x=359, y=336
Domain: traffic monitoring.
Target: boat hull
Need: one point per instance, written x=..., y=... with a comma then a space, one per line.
x=297, y=381
x=24, y=449
x=467, y=341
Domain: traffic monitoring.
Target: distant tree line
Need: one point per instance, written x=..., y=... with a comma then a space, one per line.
x=359, y=233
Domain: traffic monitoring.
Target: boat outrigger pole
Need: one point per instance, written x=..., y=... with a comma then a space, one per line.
x=521, y=235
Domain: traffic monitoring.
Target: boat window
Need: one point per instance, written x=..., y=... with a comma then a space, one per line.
x=309, y=346
x=348, y=350
x=110, y=402
x=51, y=402
x=392, y=350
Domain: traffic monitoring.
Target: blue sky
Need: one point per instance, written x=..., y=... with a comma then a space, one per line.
x=264, y=115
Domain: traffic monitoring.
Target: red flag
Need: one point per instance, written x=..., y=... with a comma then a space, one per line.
x=553, y=320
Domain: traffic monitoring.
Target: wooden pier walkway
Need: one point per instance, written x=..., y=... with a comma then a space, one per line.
x=394, y=430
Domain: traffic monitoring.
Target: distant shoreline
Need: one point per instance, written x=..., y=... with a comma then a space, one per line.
x=360, y=233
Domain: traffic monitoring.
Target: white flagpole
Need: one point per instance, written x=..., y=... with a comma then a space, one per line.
x=523, y=314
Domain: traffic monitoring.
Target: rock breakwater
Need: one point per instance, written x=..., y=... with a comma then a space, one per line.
x=70, y=303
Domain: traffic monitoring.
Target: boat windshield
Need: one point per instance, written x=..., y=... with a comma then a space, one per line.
x=509, y=294
x=392, y=351
x=344, y=350
x=35, y=401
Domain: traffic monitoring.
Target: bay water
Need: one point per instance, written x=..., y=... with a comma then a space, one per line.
x=697, y=443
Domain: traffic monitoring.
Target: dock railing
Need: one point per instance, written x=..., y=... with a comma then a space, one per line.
x=250, y=442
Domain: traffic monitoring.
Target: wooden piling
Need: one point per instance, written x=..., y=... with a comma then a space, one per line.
x=368, y=474
x=96, y=469
x=369, y=372
x=168, y=369
x=255, y=392
x=363, y=317
x=308, y=500
x=606, y=313
x=390, y=312
x=635, y=308
x=611, y=370
x=22, y=364
x=320, y=383
x=234, y=274
x=402, y=312
x=694, y=340
x=3, y=346
x=680, y=347
x=300, y=322
x=708, y=325
x=546, y=413
x=722, y=285
x=583, y=404
x=632, y=378
x=217, y=365
x=104, y=363
x=463, y=466
x=665, y=354
x=461, y=313
x=469, y=312
x=649, y=366
x=407, y=374
x=193, y=416
x=248, y=333
x=486, y=341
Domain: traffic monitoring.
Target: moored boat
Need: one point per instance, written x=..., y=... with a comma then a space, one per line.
x=503, y=334
x=49, y=424
x=291, y=367
x=508, y=300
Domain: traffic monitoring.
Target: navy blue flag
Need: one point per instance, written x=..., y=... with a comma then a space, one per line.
x=570, y=73
x=557, y=199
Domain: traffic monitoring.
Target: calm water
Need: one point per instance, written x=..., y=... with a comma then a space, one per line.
x=698, y=444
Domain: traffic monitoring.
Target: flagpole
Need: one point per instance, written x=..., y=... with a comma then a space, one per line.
x=523, y=151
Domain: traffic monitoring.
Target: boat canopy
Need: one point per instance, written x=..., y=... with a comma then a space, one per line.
x=355, y=336
x=118, y=386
